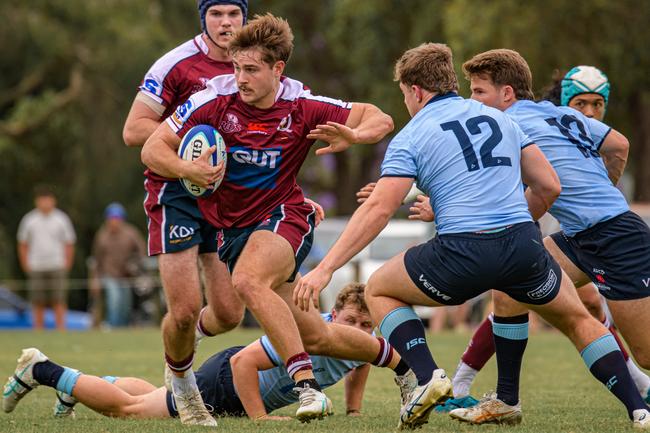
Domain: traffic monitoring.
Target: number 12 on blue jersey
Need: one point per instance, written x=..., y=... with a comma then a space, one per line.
x=473, y=126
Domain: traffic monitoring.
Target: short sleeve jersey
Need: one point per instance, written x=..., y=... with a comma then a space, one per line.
x=266, y=147
x=466, y=157
x=571, y=142
x=178, y=74
x=276, y=387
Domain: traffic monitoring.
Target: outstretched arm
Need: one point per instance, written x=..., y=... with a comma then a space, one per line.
x=245, y=364
x=355, y=384
x=364, y=225
x=366, y=124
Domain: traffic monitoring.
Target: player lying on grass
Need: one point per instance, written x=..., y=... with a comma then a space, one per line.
x=235, y=368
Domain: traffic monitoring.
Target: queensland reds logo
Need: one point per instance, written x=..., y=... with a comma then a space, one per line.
x=230, y=124
x=285, y=124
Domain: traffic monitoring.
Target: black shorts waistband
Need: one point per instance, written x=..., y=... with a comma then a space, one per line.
x=600, y=225
x=507, y=231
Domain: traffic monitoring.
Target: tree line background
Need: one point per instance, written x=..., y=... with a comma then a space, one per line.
x=70, y=69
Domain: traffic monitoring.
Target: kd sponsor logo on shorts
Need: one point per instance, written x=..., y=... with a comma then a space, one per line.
x=179, y=234
x=435, y=292
x=542, y=291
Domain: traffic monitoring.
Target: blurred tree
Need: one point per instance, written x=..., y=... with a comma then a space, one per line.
x=560, y=34
x=69, y=75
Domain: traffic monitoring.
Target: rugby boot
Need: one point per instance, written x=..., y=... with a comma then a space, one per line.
x=455, y=403
x=489, y=410
x=313, y=404
x=423, y=399
x=191, y=409
x=641, y=419
x=22, y=381
x=407, y=383
x=64, y=405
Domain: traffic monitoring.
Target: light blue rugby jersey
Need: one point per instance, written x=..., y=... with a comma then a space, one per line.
x=276, y=387
x=570, y=141
x=466, y=157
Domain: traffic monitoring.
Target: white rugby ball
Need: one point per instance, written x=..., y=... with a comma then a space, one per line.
x=196, y=142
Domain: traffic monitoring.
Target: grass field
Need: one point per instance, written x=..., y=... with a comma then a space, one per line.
x=558, y=393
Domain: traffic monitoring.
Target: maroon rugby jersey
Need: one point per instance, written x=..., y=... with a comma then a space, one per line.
x=179, y=74
x=266, y=147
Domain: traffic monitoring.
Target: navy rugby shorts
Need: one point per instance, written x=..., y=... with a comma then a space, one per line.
x=174, y=222
x=295, y=223
x=615, y=254
x=452, y=268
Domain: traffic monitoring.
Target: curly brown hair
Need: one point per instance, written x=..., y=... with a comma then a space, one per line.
x=352, y=294
x=270, y=34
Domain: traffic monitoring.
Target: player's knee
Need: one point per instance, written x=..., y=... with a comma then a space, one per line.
x=248, y=291
x=371, y=287
x=184, y=317
x=595, y=309
x=229, y=319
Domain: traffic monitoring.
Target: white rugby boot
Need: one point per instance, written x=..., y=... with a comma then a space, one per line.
x=407, y=383
x=313, y=404
x=22, y=381
x=423, y=399
x=489, y=410
x=641, y=419
x=64, y=405
x=190, y=406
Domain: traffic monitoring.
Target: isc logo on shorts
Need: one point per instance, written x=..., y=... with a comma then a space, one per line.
x=544, y=289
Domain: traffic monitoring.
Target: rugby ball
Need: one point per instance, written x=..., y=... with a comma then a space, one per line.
x=196, y=142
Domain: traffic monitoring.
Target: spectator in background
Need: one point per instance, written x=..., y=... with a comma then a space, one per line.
x=46, y=241
x=118, y=250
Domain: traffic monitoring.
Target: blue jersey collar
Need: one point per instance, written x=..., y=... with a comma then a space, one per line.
x=441, y=97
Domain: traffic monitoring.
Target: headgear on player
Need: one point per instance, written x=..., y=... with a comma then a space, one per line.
x=584, y=79
x=204, y=5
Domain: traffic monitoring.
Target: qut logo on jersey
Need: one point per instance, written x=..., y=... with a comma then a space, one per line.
x=261, y=158
x=254, y=168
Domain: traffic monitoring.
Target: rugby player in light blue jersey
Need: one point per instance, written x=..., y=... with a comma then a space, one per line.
x=601, y=240
x=586, y=89
x=235, y=382
x=470, y=160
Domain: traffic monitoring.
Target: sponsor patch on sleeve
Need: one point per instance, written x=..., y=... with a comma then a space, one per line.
x=182, y=113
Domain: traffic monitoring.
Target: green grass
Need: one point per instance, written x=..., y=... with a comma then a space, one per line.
x=558, y=393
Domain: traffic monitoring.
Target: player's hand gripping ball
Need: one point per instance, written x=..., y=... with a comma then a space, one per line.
x=196, y=142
